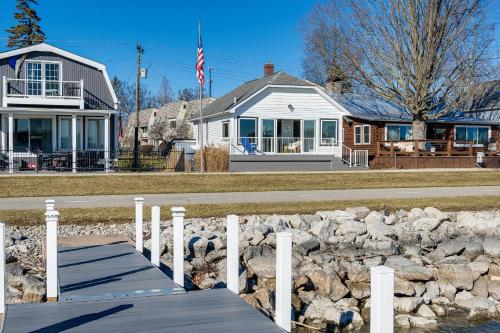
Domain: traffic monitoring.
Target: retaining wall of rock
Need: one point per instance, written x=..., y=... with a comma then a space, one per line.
x=444, y=262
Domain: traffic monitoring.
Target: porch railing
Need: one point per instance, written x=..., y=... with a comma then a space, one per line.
x=279, y=145
x=23, y=88
x=347, y=155
x=416, y=148
x=97, y=160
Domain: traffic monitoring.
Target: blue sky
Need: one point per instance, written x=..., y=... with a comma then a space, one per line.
x=238, y=36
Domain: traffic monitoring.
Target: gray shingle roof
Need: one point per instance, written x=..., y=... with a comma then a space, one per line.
x=249, y=88
x=173, y=109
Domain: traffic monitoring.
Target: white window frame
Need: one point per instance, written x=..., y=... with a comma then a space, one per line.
x=43, y=62
x=87, y=133
x=402, y=124
x=469, y=126
x=256, y=122
x=225, y=123
x=362, y=134
x=59, y=131
x=336, y=143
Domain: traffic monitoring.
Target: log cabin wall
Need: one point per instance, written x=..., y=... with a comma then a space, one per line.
x=377, y=133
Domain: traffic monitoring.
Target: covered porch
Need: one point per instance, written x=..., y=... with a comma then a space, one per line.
x=55, y=140
x=261, y=136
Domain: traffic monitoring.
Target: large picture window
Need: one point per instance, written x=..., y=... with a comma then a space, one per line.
x=95, y=134
x=399, y=132
x=328, y=132
x=247, y=128
x=478, y=135
x=33, y=134
x=66, y=133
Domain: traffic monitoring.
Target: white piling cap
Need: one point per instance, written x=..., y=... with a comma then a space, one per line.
x=178, y=210
x=284, y=234
x=52, y=214
x=382, y=270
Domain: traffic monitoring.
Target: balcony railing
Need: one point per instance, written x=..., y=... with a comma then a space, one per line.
x=45, y=92
x=279, y=145
x=416, y=148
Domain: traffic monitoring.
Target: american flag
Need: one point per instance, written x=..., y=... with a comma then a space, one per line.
x=200, y=62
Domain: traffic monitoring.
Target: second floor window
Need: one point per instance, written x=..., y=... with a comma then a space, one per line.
x=36, y=72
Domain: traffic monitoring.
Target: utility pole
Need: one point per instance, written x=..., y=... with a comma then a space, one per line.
x=210, y=82
x=140, y=50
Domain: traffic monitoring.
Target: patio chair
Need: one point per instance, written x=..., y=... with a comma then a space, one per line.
x=249, y=147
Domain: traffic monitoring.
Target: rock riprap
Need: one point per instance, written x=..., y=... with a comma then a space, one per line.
x=443, y=262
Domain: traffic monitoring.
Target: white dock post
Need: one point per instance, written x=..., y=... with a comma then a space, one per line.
x=51, y=219
x=2, y=268
x=178, y=222
x=155, y=235
x=382, y=300
x=139, y=202
x=233, y=253
x=284, y=280
x=50, y=204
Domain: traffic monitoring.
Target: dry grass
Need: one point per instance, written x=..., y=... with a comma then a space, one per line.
x=216, y=159
x=126, y=215
x=24, y=186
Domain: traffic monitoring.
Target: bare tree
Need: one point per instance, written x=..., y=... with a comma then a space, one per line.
x=164, y=130
x=324, y=43
x=165, y=92
x=422, y=54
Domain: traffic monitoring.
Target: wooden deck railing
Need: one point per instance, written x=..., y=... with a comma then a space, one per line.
x=417, y=148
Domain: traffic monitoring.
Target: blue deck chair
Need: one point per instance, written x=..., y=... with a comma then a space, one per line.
x=248, y=146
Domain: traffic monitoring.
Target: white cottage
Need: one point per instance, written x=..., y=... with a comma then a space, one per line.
x=275, y=122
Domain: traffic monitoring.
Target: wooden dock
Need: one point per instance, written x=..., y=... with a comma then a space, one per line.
x=112, y=287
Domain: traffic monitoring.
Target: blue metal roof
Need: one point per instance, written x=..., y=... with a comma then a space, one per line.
x=375, y=108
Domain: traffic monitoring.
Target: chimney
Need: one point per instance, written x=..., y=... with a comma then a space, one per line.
x=268, y=69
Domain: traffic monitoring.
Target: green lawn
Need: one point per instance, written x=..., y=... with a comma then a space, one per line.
x=25, y=186
x=125, y=215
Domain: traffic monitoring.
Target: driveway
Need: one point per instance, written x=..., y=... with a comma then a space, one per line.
x=246, y=197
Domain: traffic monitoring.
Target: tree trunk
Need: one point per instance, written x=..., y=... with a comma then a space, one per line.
x=418, y=129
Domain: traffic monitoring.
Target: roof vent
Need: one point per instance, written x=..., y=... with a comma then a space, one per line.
x=234, y=100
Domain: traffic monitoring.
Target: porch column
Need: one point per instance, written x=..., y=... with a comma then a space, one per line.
x=3, y=140
x=73, y=142
x=11, y=143
x=106, y=143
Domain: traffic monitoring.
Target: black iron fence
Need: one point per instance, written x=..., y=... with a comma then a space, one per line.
x=122, y=160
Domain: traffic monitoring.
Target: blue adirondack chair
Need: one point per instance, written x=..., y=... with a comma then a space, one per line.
x=248, y=146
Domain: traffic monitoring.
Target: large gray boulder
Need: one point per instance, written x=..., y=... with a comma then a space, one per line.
x=383, y=247
x=460, y=276
x=359, y=212
x=492, y=247
x=406, y=304
x=323, y=309
x=406, y=269
x=351, y=227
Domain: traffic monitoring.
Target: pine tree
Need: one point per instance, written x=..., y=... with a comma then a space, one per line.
x=27, y=32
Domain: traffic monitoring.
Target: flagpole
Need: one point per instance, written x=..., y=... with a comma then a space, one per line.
x=202, y=160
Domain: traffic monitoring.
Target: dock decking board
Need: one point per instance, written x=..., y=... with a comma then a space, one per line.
x=90, y=271
x=97, y=294
x=209, y=311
